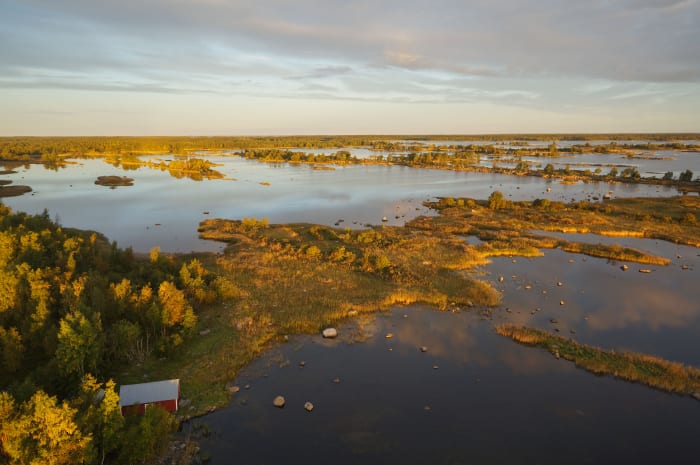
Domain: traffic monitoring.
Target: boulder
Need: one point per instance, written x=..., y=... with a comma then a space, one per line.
x=278, y=402
x=308, y=406
x=330, y=333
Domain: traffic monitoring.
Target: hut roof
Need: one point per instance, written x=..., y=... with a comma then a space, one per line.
x=146, y=393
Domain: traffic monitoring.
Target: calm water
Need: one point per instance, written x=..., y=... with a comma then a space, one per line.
x=488, y=401
x=160, y=210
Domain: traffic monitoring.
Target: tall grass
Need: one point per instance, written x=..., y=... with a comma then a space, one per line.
x=630, y=366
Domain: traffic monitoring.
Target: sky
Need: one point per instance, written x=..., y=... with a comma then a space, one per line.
x=256, y=67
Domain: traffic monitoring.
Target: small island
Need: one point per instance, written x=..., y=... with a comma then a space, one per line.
x=12, y=191
x=114, y=181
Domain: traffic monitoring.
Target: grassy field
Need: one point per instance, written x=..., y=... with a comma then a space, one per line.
x=630, y=366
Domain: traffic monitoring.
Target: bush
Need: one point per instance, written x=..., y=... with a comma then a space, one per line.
x=497, y=201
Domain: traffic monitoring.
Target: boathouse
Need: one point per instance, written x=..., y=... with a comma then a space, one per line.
x=139, y=397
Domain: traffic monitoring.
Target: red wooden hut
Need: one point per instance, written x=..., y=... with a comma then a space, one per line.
x=139, y=397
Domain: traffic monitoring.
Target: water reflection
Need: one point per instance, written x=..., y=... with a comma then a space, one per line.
x=655, y=313
x=488, y=401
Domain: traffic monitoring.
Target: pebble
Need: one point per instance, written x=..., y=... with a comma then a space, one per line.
x=561, y=302
x=302, y=364
x=278, y=402
x=247, y=386
x=308, y=406
x=559, y=283
x=423, y=349
x=435, y=367
x=336, y=380
x=234, y=389
x=389, y=335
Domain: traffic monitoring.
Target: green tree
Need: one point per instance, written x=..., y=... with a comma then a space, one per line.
x=549, y=169
x=80, y=343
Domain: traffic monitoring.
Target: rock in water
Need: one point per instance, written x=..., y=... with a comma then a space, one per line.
x=278, y=402
x=308, y=406
x=330, y=333
x=423, y=349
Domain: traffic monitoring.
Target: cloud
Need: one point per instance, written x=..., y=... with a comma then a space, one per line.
x=530, y=53
x=598, y=39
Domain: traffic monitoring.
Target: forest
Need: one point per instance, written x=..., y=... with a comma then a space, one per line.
x=74, y=310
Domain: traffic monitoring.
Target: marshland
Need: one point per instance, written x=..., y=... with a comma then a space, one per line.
x=219, y=261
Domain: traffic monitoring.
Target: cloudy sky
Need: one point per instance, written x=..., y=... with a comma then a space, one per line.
x=83, y=67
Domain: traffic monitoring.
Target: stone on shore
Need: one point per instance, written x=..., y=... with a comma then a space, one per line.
x=330, y=333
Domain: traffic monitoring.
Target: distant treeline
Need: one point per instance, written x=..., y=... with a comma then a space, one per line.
x=49, y=148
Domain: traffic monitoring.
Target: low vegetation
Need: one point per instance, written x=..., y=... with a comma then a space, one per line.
x=630, y=366
x=509, y=227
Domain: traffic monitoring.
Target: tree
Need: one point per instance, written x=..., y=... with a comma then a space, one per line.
x=146, y=435
x=11, y=350
x=668, y=176
x=80, y=343
x=173, y=302
x=100, y=416
x=548, y=169
x=497, y=201
x=41, y=431
x=686, y=176
x=8, y=290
